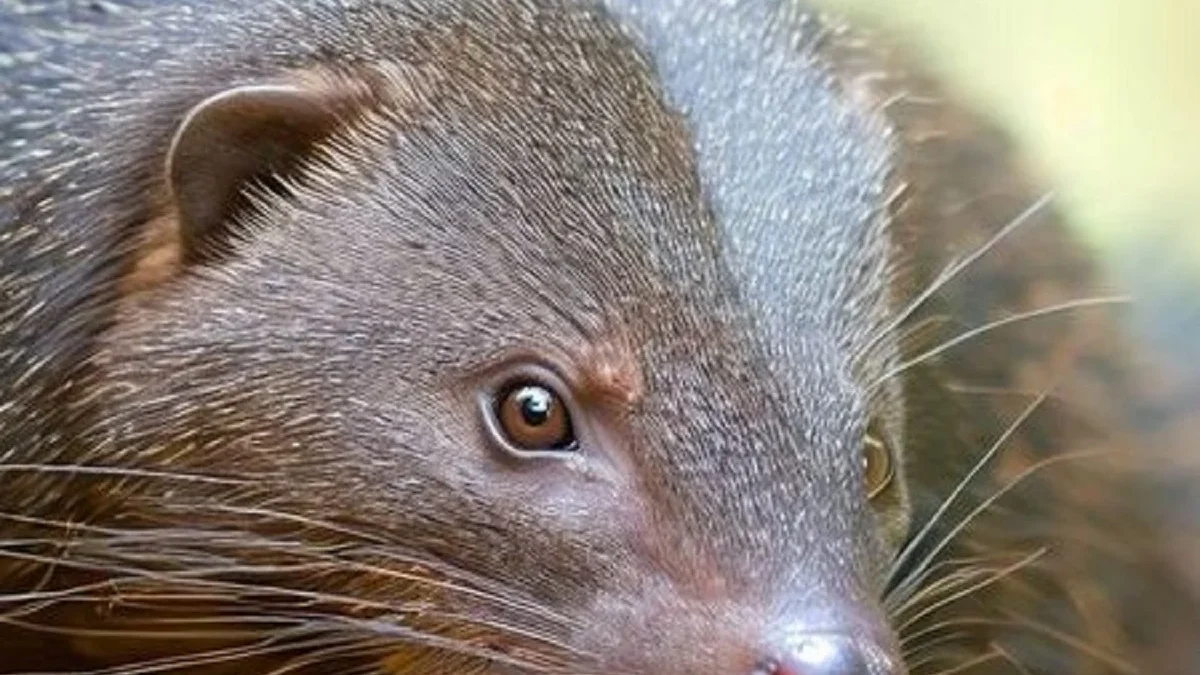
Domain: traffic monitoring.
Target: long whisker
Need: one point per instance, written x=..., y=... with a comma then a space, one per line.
x=357, y=649
x=406, y=634
x=196, y=578
x=920, y=539
x=119, y=472
x=280, y=615
x=917, y=666
x=313, y=523
x=283, y=641
x=1012, y=660
x=37, y=596
x=48, y=574
x=494, y=596
x=987, y=503
x=966, y=336
x=968, y=569
x=939, y=587
x=381, y=549
x=955, y=268
x=912, y=651
x=914, y=335
x=264, y=647
x=974, y=588
x=1071, y=641
x=910, y=643
x=979, y=390
x=911, y=335
x=340, y=561
x=977, y=661
x=228, y=634
x=513, y=631
x=365, y=669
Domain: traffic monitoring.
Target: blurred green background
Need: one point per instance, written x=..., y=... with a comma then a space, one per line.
x=1104, y=97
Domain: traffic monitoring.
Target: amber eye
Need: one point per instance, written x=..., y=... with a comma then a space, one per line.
x=534, y=418
x=877, y=463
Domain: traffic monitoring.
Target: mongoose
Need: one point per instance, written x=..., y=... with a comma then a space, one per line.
x=525, y=336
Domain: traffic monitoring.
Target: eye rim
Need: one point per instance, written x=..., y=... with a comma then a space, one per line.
x=492, y=398
x=873, y=438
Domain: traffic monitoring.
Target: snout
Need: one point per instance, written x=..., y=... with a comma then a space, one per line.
x=829, y=654
x=819, y=634
x=829, y=636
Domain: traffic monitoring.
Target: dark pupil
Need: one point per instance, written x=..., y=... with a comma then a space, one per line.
x=535, y=404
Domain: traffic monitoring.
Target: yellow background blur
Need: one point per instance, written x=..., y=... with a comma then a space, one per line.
x=1104, y=94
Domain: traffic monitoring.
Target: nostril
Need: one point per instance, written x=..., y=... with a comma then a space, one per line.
x=821, y=655
x=766, y=667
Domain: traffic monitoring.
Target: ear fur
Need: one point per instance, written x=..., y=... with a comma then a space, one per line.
x=246, y=136
x=238, y=142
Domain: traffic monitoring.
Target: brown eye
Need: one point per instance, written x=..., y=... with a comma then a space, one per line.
x=533, y=418
x=877, y=463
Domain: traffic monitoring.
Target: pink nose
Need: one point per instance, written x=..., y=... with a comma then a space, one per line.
x=825, y=654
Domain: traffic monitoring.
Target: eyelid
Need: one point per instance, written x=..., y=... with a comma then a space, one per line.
x=510, y=365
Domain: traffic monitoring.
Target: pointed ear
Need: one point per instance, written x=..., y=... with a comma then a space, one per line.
x=243, y=137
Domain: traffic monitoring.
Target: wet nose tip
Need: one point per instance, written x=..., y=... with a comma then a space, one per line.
x=823, y=655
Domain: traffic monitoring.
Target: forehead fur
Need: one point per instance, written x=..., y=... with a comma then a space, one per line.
x=665, y=154
x=574, y=173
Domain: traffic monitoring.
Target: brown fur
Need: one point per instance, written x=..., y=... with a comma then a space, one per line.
x=241, y=430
